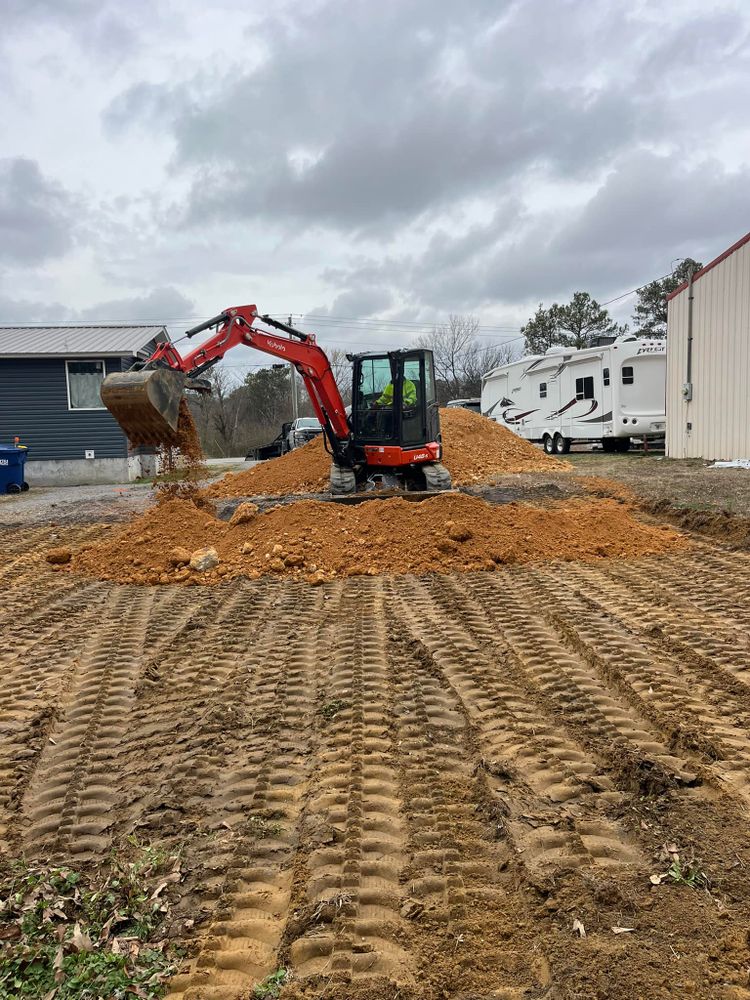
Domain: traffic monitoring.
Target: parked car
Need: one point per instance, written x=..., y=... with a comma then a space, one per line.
x=303, y=429
x=466, y=404
x=273, y=450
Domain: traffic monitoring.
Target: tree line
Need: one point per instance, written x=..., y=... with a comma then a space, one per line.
x=578, y=323
x=241, y=414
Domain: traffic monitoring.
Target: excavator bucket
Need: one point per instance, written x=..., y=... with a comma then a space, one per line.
x=146, y=404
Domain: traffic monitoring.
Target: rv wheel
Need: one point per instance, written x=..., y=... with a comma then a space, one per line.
x=561, y=445
x=547, y=442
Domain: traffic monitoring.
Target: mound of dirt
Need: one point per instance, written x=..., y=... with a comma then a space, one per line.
x=475, y=450
x=318, y=540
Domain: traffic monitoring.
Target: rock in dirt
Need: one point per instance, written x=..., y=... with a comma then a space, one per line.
x=244, y=513
x=204, y=559
x=60, y=556
x=179, y=557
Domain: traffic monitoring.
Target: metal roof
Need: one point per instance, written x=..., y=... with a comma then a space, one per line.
x=717, y=260
x=76, y=341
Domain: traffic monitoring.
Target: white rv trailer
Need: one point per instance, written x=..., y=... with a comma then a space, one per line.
x=607, y=394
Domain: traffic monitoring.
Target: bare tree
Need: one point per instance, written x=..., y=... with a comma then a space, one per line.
x=461, y=358
x=217, y=415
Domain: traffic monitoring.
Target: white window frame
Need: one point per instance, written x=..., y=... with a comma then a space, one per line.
x=75, y=361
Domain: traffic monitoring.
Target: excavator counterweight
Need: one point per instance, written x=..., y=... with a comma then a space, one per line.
x=146, y=404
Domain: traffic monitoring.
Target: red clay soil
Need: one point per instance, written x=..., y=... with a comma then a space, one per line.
x=183, y=467
x=476, y=449
x=316, y=540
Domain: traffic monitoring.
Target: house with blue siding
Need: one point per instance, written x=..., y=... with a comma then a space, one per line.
x=49, y=398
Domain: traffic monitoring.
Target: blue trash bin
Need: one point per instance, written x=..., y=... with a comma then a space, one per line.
x=12, y=462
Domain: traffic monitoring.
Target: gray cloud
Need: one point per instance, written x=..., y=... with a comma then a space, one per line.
x=160, y=305
x=425, y=107
x=37, y=216
x=648, y=212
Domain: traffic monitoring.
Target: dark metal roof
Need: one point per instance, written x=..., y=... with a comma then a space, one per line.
x=76, y=341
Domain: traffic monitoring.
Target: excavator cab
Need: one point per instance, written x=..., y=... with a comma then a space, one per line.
x=394, y=402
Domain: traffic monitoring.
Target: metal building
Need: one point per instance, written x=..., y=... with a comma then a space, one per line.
x=708, y=360
x=49, y=398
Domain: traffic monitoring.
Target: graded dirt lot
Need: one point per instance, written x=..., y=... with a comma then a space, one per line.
x=531, y=782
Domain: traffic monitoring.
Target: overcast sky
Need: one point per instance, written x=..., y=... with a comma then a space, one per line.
x=391, y=160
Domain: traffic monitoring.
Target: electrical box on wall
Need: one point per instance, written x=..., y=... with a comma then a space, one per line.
x=89, y=453
x=687, y=391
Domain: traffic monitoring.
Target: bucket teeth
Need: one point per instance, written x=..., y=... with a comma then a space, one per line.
x=146, y=404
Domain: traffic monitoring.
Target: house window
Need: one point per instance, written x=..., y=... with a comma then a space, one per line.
x=542, y=390
x=585, y=387
x=605, y=374
x=627, y=375
x=84, y=382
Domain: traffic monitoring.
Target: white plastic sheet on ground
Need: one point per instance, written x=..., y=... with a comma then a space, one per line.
x=737, y=463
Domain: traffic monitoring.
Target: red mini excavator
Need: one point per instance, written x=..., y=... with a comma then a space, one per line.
x=391, y=437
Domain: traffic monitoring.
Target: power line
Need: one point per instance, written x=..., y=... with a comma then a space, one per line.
x=634, y=290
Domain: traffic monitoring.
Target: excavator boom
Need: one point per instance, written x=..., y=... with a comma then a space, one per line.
x=145, y=401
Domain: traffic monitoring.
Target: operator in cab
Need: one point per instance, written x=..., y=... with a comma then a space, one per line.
x=408, y=395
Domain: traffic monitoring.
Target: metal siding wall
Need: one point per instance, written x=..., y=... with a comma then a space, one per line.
x=720, y=411
x=676, y=363
x=34, y=406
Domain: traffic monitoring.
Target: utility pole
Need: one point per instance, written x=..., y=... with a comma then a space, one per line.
x=295, y=404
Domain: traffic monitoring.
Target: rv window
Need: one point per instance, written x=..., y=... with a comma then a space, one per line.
x=585, y=387
x=542, y=390
x=627, y=375
x=605, y=375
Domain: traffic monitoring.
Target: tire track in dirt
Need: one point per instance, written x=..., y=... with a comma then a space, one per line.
x=348, y=928
x=462, y=891
x=695, y=708
x=257, y=799
x=74, y=787
x=22, y=551
x=564, y=680
x=707, y=638
x=557, y=792
x=37, y=661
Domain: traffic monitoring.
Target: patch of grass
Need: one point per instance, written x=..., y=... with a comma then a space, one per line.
x=261, y=828
x=271, y=986
x=332, y=708
x=86, y=934
x=688, y=873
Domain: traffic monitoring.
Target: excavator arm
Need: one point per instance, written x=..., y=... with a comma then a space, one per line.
x=145, y=401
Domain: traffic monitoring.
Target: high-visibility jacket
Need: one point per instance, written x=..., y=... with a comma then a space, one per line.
x=408, y=394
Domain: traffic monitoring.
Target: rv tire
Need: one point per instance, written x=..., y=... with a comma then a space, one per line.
x=547, y=444
x=609, y=444
x=623, y=444
x=561, y=445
